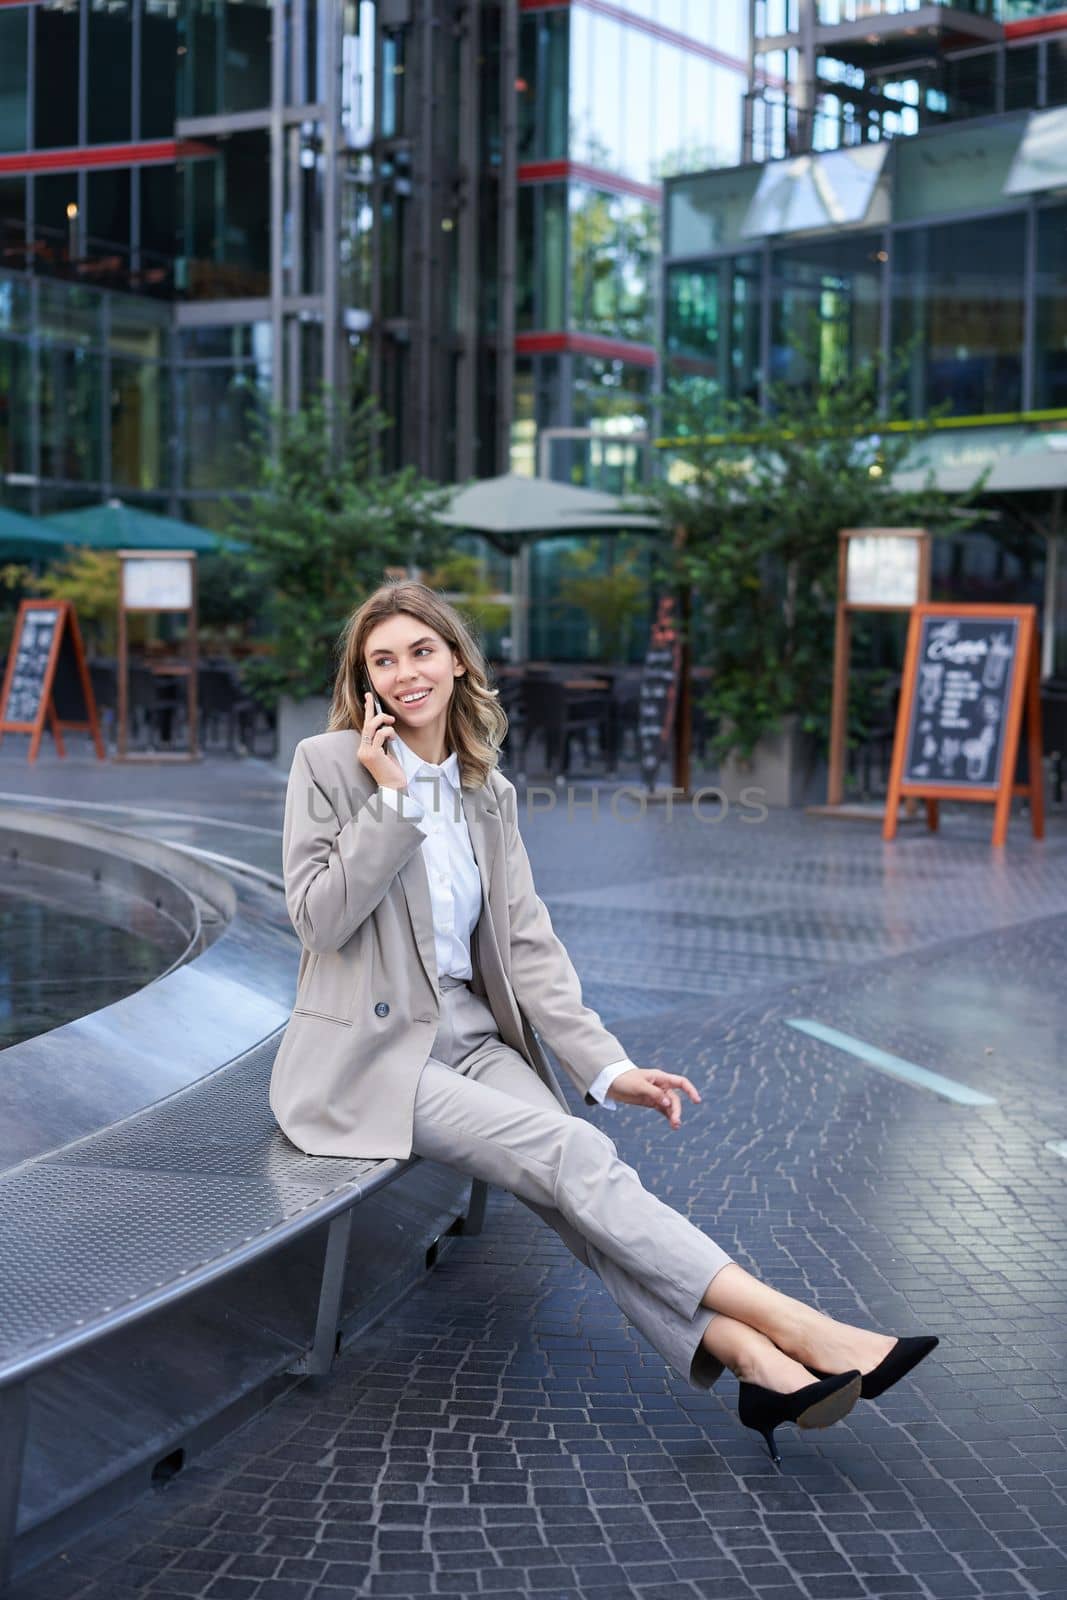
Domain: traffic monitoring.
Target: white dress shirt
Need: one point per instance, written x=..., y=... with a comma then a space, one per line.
x=432, y=800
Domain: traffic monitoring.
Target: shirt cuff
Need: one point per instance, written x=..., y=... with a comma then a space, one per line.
x=405, y=804
x=604, y=1080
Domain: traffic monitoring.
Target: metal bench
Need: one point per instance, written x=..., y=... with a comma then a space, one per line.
x=102, y=1233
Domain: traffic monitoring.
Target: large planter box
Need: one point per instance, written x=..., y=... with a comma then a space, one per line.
x=298, y=719
x=786, y=766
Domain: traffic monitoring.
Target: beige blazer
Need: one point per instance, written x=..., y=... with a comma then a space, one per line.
x=367, y=1003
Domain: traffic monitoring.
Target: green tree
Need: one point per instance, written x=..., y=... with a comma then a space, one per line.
x=89, y=578
x=460, y=574
x=323, y=521
x=756, y=507
x=609, y=599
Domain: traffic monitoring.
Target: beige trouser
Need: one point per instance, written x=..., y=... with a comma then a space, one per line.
x=481, y=1109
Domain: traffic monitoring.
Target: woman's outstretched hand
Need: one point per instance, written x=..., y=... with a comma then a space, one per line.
x=647, y=1086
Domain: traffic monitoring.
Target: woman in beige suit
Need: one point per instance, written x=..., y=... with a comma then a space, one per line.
x=429, y=969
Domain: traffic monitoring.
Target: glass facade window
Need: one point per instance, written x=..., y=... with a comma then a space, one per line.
x=108, y=216
x=609, y=392
x=224, y=387
x=14, y=98
x=1050, y=360
x=957, y=169
x=13, y=218
x=713, y=324
x=56, y=74
x=825, y=302
x=392, y=112
x=544, y=42
x=958, y=315
x=707, y=212
x=644, y=106
x=225, y=207
x=138, y=424
x=109, y=108
x=613, y=241
x=71, y=385
x=158, y=88
x=69, y=314
x=541, y=274
x=16, y=404
x=223, y=56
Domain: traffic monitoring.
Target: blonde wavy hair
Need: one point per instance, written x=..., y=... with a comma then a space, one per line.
x=477, y=723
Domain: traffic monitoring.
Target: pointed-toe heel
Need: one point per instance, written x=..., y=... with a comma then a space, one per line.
x=904, y=1356
x=817, y=1405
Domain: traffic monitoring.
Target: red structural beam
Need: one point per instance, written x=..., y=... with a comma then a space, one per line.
x=585, y=344
x=149, y=153
x=1025, y=26
x=578, y=171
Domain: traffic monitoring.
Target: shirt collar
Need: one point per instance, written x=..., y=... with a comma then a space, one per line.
x=413, y=765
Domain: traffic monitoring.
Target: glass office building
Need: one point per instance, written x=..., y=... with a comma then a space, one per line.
x=934, y=242
x=612, y=98
x=207, y=206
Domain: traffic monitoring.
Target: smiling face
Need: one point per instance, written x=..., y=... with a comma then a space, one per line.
x=412, y=671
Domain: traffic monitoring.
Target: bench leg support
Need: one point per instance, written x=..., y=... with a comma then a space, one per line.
x=14, y=1411
x=319, y=1358
x=475, y=1217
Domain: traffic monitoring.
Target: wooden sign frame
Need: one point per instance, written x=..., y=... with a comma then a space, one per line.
x=1025, y=696
x=835, y=788
x=66, y=626
x=187, y=669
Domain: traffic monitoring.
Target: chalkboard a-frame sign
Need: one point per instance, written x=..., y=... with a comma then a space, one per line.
x=658, y=694
x=970, y=672
x=47, y=677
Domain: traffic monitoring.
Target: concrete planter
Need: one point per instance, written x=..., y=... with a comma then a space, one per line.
x=298, y=719
x=787, y=767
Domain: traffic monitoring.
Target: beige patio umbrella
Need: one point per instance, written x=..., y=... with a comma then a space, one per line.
x=512, y=511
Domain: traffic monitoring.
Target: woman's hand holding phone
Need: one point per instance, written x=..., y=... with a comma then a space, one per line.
x=383, y=768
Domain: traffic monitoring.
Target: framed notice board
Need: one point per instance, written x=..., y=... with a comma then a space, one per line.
x=970, y=677
x=47, y=678
x=658, y=696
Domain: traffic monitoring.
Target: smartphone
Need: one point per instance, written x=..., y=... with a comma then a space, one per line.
x=375, y=702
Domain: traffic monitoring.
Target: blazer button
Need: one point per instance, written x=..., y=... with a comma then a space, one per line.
x=381, y=1009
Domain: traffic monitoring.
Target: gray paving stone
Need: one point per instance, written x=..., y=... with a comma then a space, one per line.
x=503, y=1432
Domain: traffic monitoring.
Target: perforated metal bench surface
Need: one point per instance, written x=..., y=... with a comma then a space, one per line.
x=117, y=1225
x=114, y=1226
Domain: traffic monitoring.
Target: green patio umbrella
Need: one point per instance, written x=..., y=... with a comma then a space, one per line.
x=25, y=538
x=117, y=526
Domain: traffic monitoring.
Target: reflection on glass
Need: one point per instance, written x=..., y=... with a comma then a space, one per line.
x=713, y=323
x=70, y=415
x=613, y=239
x=958, y=310
x=13, y=79
x=1050, y=363
x=16, y=403
x=226, y=205
x=644, y=106
x=825, y=309
x=110, y=56
x=224, y=56
x=219, y=405
x=56, y=75
x=138, y=432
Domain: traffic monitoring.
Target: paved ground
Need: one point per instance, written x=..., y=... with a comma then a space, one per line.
x=504, y=1432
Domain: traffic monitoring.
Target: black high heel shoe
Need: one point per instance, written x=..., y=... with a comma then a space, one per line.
x=905, y=1354
x=817, y=1405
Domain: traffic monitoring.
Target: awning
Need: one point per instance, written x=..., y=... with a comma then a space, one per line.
x=1040, y=162
x=1019, y=458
